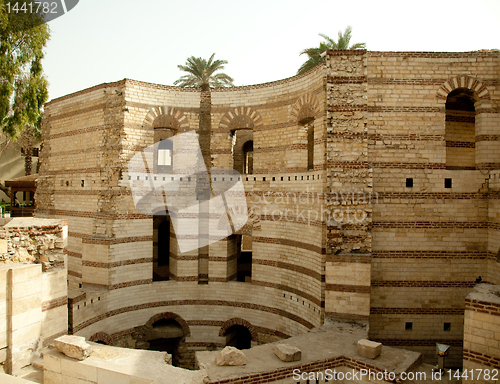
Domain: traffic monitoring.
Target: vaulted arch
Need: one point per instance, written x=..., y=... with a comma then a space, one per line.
x=170, y=316
x=101, y=337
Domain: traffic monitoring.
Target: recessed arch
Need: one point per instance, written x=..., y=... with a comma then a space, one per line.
x=170, y=316
x=239, y=321
x=305, y=109
x=304, y=112
x=240, y=123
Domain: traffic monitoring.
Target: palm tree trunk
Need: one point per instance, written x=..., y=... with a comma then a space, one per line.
x=28, y=160
x=204, y=183
x=206, y=125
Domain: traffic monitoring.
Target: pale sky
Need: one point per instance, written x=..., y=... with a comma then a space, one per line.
x=107, y=40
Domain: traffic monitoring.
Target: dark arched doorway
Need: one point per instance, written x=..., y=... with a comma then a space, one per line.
x=167, y=336
x=460, y=129
x=248, y=157
x=238, y=336
x=161, y=248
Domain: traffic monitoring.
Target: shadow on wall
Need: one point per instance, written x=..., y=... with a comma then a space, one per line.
x=11, y=164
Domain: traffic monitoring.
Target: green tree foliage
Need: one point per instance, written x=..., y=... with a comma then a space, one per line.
x=23, y=86
x=315, y=54
x=201, y=73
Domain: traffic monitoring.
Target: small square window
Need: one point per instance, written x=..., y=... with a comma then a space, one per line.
x=447, y=183
x=408, y=326
x=409, y=182
x=447, y=327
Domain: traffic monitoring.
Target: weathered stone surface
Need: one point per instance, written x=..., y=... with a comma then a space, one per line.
x=369, y=349
x=168, y=358
x=73, y=346
x=287, y=352
x=230, y=356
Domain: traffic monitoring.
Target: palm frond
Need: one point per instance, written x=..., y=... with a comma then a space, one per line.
x=201, y=73
x=315, y=53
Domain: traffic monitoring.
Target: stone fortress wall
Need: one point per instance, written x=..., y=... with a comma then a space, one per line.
x=432, y=240
x=352, y=211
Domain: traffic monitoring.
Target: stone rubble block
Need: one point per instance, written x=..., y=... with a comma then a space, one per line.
x=287, y=352
x=369, y=349
x=230, y=356
x=168, y=358
x=73, y=346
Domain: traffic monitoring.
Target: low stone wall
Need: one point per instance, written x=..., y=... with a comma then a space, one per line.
x=330, y=349
x=115, y=365
x=33, y=308
x=482, y=336
x=30, y=240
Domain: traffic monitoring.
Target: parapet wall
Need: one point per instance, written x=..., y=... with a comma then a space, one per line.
x=481, y=336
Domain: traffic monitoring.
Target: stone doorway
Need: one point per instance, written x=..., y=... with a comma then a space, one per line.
x=238, y=336
x=166, y=333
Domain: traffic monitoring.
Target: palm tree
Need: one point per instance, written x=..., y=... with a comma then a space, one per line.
x=29, y=135
x=201, y=74
x=316, y=54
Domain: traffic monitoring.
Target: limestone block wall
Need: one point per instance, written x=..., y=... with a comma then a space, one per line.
x=481, y=336
x=430, y=223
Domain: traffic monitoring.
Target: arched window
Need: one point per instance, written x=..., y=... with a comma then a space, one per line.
x=242, y=148
x=460, y=131
x=248, y=157
x=305, y=118
x=310, y=145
